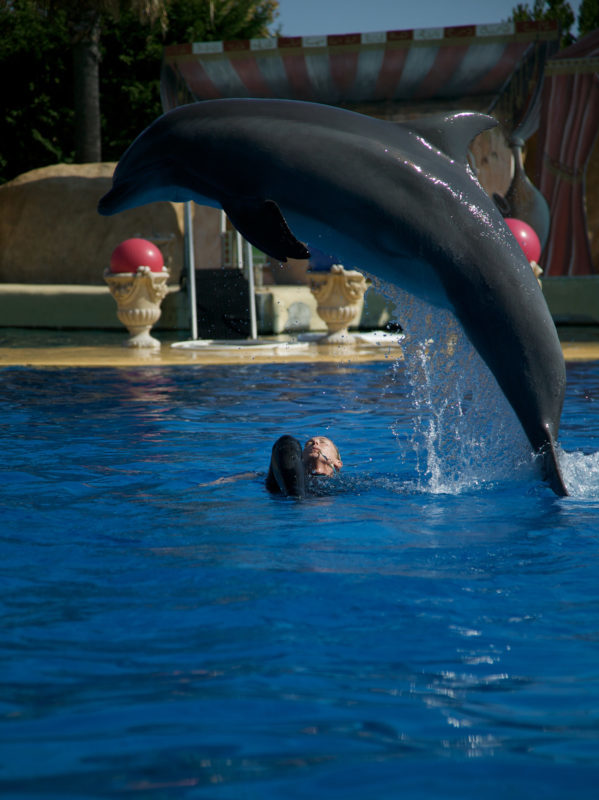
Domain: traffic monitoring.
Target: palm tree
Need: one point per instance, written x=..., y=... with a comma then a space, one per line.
x=214, y=18
x=40, y=39
x=85, y=29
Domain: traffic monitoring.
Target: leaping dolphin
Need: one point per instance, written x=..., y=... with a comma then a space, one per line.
x=398, y=200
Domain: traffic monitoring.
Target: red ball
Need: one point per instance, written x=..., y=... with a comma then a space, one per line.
x=526, y=238
x=134, y=253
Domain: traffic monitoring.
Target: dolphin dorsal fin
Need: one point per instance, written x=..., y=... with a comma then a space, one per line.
x=452, y=133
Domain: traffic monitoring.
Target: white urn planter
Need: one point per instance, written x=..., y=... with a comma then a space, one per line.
x=138, y=297
x=338, y=293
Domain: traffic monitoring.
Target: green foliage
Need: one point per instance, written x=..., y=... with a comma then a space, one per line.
x=129, y=81
x=588, y=16
x=559, y=10
x=37, y=118
x=130, y=73
x=219, y=20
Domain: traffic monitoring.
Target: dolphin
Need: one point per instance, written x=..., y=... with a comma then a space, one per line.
x=286, y=474
x=396, y=199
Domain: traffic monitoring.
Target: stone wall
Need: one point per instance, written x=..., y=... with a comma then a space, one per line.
x=51, y=232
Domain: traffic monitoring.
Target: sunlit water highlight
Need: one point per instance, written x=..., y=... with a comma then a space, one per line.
x=410, y=630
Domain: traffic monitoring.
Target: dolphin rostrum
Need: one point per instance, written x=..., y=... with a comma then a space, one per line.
x=398, y=200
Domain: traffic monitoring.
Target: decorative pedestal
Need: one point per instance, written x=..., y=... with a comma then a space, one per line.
x=537, y=271
x=138, y=297
x=338, y=293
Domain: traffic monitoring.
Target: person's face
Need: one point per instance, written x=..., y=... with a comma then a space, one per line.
x=320, y=456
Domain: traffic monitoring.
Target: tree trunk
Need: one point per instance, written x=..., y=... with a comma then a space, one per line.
x=86, y=64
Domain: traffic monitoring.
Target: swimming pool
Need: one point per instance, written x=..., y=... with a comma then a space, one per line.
x=404, y=633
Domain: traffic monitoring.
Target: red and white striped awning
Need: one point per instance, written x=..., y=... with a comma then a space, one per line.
x=352, y=69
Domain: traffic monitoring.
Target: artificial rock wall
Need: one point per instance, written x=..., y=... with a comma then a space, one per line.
x=51, y=232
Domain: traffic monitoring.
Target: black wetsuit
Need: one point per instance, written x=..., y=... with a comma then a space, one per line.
x=286, y=474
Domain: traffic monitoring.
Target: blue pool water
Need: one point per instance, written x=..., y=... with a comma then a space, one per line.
x=427, y=626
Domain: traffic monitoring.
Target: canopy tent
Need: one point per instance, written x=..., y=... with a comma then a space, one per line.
x=390, y=67
x=568, y=130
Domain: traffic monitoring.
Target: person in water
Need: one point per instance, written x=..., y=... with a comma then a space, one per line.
x=320, y=456
x=291, y=467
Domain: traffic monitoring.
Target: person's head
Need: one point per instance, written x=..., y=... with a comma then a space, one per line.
x=320, y=456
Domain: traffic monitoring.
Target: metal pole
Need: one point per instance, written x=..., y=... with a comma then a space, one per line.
x=241, y=248
x=238, y=250
x=191, y=270
x=252, y=295
x=223, y=239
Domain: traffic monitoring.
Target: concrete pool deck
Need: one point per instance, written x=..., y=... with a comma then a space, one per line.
x=105, y=349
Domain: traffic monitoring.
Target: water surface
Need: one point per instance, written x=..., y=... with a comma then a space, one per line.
x=413, y=630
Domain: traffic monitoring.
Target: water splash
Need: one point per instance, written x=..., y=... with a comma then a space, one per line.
x=465, y=433
x=581, y=473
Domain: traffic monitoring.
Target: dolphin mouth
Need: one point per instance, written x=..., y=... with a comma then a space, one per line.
x=112, y=202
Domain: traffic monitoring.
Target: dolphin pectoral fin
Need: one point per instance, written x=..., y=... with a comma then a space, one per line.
x=263, y=225
x=552, y=473
x=452, y=133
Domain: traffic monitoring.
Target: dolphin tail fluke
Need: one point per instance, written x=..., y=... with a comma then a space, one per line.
x=552, y=473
